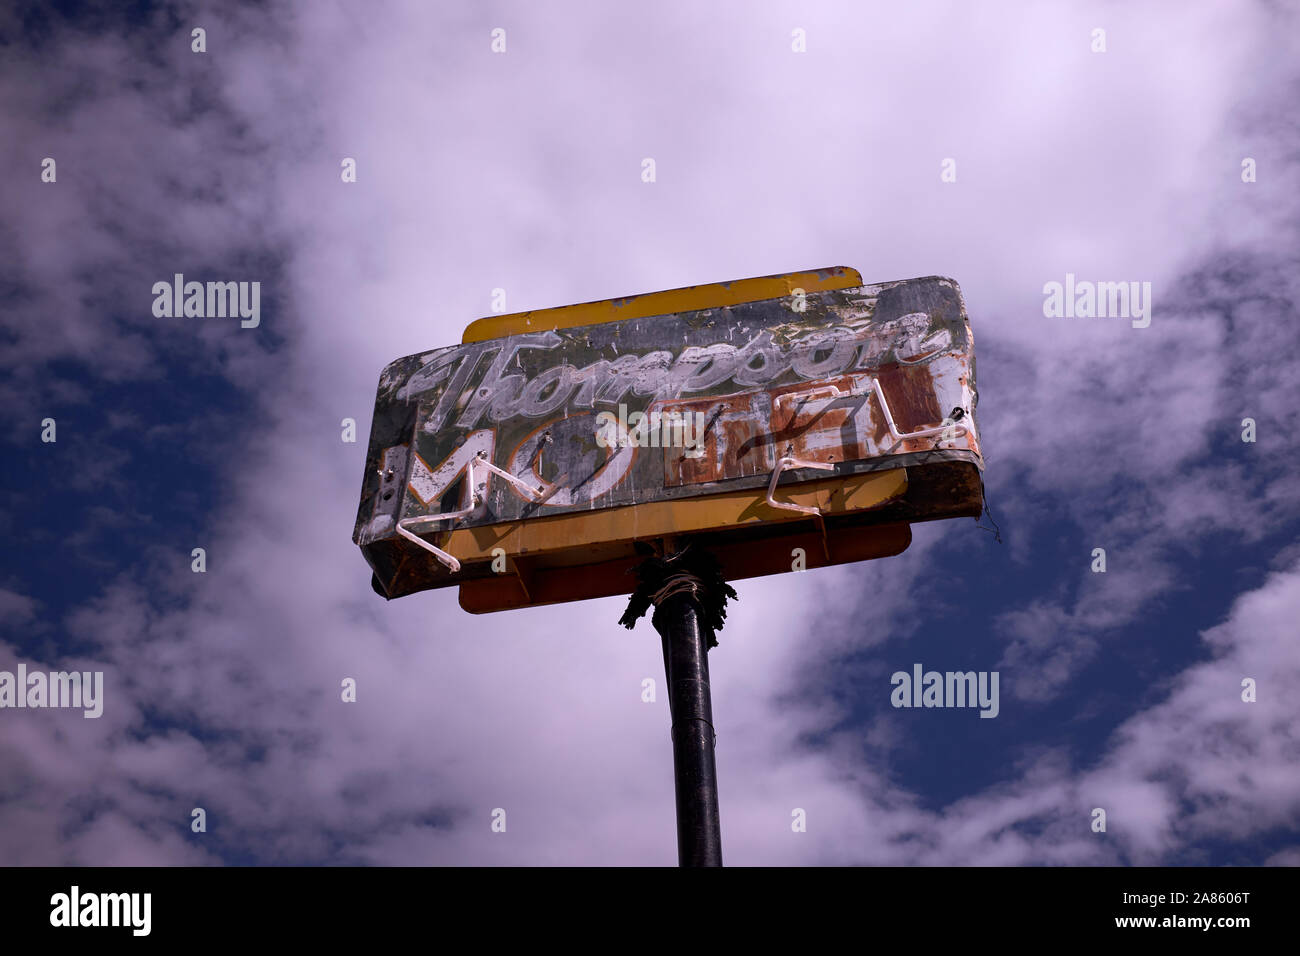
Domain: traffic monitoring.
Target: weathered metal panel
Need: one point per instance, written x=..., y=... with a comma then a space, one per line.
x=751, y=382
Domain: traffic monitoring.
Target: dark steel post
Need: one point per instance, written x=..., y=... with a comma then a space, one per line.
x=686, y=664
x=690, y=600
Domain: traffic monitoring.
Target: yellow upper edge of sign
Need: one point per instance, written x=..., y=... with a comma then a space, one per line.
x=688, y=299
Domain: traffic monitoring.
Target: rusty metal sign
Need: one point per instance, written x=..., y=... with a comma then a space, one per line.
x=811, y=418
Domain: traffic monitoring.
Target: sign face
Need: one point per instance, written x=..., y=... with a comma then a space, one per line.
x=784, y=422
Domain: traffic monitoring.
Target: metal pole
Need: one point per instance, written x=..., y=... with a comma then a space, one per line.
x=686, y=663
x=690, y=599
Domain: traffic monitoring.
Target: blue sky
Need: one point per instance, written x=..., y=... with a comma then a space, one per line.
x=522, y=171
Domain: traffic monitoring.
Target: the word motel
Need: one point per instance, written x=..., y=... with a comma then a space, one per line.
x=215, y=300
x=948, y=689
x=1101, y=300
x=102, y=909
x=653, y=429
x=74, y=689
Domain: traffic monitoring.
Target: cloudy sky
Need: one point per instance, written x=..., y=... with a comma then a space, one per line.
x=521, y=170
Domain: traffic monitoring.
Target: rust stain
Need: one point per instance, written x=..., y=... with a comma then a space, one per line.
x=909, y=389
x=732, y=423
x=818, y=426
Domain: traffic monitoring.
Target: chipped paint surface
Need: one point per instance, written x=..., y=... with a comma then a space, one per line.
x=774, y=377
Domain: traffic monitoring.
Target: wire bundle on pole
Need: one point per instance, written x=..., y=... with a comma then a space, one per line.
x=691, y=571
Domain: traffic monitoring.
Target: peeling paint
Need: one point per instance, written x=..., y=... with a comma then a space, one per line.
x=770, y=383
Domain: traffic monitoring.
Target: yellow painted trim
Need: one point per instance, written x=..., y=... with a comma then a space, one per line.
x=611, y=526
x=688, y=299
